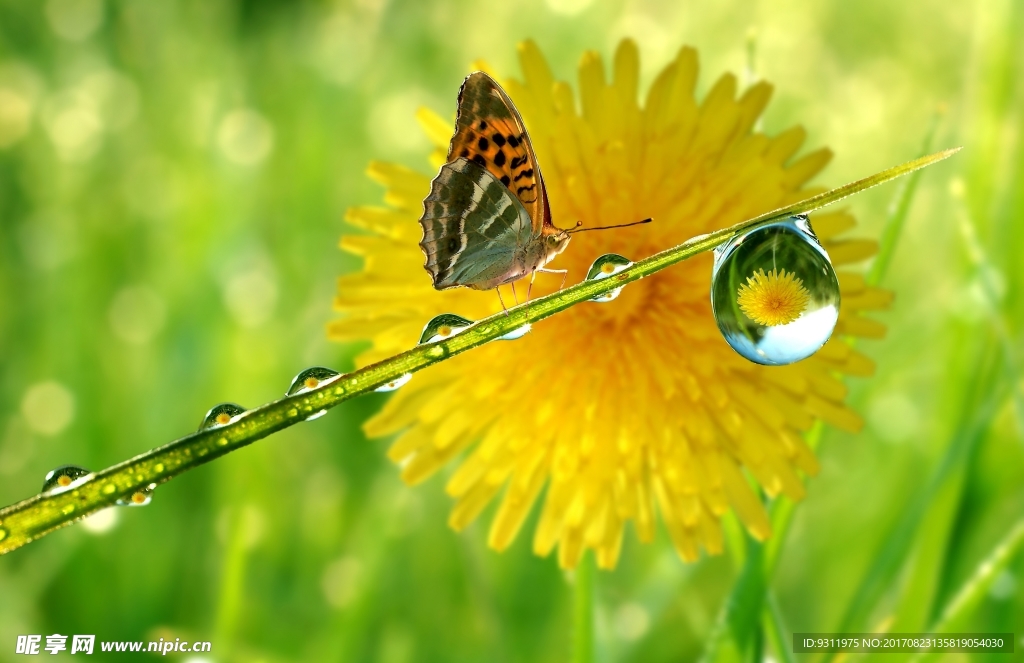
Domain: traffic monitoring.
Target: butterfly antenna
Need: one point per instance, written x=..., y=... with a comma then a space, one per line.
x=577, y=229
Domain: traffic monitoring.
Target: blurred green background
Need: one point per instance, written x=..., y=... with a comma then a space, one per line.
x=173, y=177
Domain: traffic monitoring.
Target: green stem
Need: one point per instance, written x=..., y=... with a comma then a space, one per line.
x=775, y=630
x=583, y=611
x=39, y=515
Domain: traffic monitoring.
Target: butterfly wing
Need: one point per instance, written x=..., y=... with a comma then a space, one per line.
x=490, y=132
x=474, y=229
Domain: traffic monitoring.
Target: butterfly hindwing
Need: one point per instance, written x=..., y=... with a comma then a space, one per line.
x=473, y=227
x=490, y=132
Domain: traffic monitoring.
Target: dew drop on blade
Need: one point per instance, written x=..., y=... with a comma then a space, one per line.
x=311, y=378
x=140, y=497
x=3, y=534
x=774, y=293
x=60, y=479
x=518, y=332
x=605, y=266
x=396, y=383
x=443, y=326
x=221, y=415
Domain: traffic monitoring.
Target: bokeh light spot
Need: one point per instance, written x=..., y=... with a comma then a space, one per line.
x=48, y=407
x=245, y=137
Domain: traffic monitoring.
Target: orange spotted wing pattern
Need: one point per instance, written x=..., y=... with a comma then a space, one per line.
x=489, y=131
x=486, y=220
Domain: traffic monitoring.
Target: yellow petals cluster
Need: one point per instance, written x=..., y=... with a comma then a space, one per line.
x=633, y=411
x=772, y=299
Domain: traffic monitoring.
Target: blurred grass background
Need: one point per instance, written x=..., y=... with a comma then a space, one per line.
x=173, y=177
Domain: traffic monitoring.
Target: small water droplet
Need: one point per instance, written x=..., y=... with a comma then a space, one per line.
x=159, y=467
x=140, y=497
x=68, y=509
x=60, y=479
x=605, y=266
x=109, y=489
x=396, y=383
x=436, y=351
x=3, y=534
x=311, y=378
x=518, y=332
x=443, y=326
x=774, y=293
x=221, y=415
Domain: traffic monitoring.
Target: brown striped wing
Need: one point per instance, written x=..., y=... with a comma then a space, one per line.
x=474, y=230
x=490, y=132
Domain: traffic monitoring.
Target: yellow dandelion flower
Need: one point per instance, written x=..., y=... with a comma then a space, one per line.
x=772, y=299
x=623, y=411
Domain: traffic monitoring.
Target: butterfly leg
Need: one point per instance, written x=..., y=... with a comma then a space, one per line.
x=563, y=272
x=503, y=307
x=514, y=295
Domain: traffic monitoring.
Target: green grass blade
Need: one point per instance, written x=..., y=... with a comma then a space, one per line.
x=775, y=630
x=986, y=392
x=736, y=630
x=962, y=606
x=973, y=592
x=41, y=514
x=899, y=209
x=923, y=579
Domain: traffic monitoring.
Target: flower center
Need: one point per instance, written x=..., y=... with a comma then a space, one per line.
x=772, y=299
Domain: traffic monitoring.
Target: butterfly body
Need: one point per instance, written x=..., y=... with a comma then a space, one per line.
x=486, y=221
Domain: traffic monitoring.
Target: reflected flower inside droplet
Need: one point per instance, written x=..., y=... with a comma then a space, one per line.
x=395, y=384
x=140, y=497
x=518, y=332
x=605, y=266
x=443, y=326
x=61, y=478
x=311, y=378
x=221, y=415
x=772, y=299
x=774, y=292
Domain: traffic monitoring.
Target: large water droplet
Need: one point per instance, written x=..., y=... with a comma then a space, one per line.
x=60, y=479
x=518, y=332
x=774, y=292
x=395, y=384
x=443, y=326
x=311, y=378
x=221, y=415
x=140, y=497
x=605, y=266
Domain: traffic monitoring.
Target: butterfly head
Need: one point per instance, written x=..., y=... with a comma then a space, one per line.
x=557, y=241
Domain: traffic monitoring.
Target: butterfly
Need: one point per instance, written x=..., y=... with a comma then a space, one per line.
x=486, y=221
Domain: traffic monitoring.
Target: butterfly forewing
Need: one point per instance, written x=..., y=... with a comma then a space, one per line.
x=473, y=228
x=490, y=133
